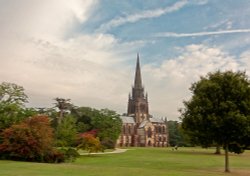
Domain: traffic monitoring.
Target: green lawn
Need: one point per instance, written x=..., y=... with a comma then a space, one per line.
x=137, y=162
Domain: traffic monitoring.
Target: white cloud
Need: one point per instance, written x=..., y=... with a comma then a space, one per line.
x=47, y=19
x=173, y=77
x=142, y=15
x=199, y=34
x=35, y=54
x=84, y=69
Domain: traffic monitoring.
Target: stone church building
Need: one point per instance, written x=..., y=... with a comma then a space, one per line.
x=139, y=128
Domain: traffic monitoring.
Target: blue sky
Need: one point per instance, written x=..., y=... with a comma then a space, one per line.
x=86, y=50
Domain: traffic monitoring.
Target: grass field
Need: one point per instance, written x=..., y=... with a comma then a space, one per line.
x=137, y=162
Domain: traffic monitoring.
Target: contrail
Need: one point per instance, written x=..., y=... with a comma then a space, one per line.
x=142, y=15
x=198, y=34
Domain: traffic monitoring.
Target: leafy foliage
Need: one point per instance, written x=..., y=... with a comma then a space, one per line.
x=90, y=143
x=84, y=116
x=30, y=140
x=10, y=114
x=63, y=105
x=70, y=154
x=12, y=99
x=26, y=138
x=66, y=132
x=106, y=122
x=11, y=93
x=218, y=111
x=176, y=136
x=109, y=125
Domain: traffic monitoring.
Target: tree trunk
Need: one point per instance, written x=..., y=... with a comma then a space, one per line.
x=217, y=152
x=60, y=116
x=226, y=159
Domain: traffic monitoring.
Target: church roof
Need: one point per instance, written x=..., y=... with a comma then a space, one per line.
x=127, y=119
x=156, y=120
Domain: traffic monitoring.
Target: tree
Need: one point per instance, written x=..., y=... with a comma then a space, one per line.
x=90, y=143
x=63, y=105
x=219, y=112
x=12, y=99
x=106, y=122
x=11, y=93
x=30, y=140
x=83, y=116
x=66, y=132
x=176, y=136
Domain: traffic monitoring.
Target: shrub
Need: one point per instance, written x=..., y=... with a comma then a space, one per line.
x=31, y=140
x=90, y=143
x=54, y=156
x=108, y=143
x=70, y=154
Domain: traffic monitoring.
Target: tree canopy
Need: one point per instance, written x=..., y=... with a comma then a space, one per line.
x=11, y=93
x=219, y=111
x=62, y=104
x=106, y=122
x=65, y=132
x=30, y=140
x=12, y=99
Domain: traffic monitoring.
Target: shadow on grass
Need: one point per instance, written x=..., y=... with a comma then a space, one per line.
x=187, y=151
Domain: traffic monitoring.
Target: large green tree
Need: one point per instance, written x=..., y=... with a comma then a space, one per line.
x=11, y=93
x=219, y=111
x=108, y=124
x=83, y=116
x=12, y=99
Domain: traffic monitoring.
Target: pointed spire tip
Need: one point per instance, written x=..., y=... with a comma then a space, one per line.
x=138, y=81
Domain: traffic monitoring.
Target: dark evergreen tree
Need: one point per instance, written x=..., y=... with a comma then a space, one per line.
x=176, y=136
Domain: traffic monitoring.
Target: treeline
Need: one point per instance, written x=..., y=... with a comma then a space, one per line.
x=52, y=134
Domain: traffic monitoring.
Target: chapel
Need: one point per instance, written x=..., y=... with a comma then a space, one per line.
x=139, y=128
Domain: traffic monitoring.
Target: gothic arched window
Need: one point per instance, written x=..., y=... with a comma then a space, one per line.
x=149, y=132
x=159, y=128
x=163, y=129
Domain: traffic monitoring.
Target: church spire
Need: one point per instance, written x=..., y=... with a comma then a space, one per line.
x=138, y=102
x=138, y=81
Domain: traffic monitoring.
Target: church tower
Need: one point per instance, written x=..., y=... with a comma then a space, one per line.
x=138, y=101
